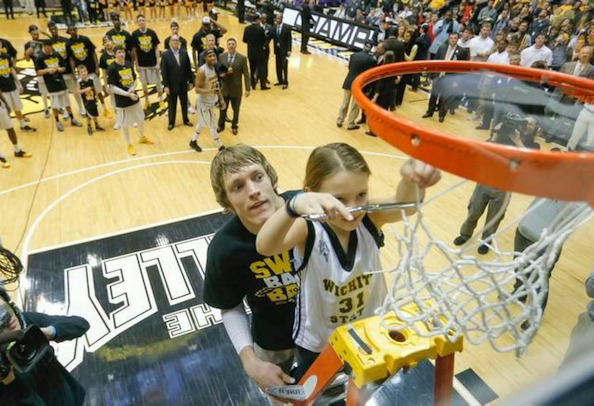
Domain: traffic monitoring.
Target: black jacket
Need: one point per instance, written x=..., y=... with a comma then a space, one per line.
x=460, y=54
x=283, y=40
x=176, y=76
x=358, y=63
x=307, y=20
x=255, y=38
x=49, y=383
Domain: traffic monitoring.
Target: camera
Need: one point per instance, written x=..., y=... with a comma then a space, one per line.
x=22, y=350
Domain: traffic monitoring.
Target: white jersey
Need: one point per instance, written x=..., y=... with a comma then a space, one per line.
x=211, y=81
x=335, y=286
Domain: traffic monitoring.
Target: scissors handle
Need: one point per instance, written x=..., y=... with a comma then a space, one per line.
x=364, y=208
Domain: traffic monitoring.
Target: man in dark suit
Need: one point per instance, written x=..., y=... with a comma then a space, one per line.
x=255, y=38
x=358, y=63
x=307, y=22
x=283, y=41
x=445, y=88
x=178, y=78
x=268, y=31
x=232, y=88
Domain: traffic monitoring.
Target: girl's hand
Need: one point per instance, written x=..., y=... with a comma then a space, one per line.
x=420, y=173
x=320, y=203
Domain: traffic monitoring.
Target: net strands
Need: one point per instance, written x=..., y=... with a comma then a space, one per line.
x=464, y=295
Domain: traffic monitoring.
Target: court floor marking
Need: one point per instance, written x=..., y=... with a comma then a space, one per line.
x=127, y=160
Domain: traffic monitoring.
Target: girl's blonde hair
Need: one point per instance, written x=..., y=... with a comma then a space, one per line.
x=330, y=159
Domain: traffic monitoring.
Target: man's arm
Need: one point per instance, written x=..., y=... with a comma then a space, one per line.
x=65, y=327
x=246, y=77
x=165, y=72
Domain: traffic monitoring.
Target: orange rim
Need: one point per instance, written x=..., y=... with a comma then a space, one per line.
x=562, y=176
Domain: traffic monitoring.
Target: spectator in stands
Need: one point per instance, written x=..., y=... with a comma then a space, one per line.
x=560, y=51
x=488, y=13
x=537, y=52
x=502, y=23
x=442, y=30
x=524, y=39
x=465, y=38
x=541, y=24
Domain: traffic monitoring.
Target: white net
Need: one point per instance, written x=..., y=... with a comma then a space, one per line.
x=457, y=293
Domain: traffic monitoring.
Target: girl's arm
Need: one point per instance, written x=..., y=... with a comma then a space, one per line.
x=284, y=230
x=414, y=173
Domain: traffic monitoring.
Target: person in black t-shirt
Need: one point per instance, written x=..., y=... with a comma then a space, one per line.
x=33, y=49
x=60, y=45
x=11, y=87
x=7, y=48
x=119, y=36
x=106, y=59
x=86, y=88
x=245, y=183
x=122, y=83
x=50, y=66
x=145, y=53
x=82, y=52
x=6, y=124
x=175, y=31
x=199, y=39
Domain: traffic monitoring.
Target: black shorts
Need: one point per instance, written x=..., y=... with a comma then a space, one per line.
x=91, y=108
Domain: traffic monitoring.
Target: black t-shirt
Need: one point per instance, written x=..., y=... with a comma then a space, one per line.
x=88, y=97
x=182, y=43
x=81, y=50
x=54, y=82
x=7, y=48
x=60, y=45
x=122, y=76
x=121, y=38
x=235, y=270
x=145, y=44
x=7, y=83
x=199, y=39
x=106, y=59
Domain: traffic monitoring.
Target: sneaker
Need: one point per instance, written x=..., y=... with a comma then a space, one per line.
x=99, y=128
x=460, y=240
x=75, y=123
x=46, y=113
x=107, y=114
x=4, y=163
x=352, y=127
x=162, y=105
x=338, y=123
x=28, y=129
x=483, y=249
x=195, y=146
x=222, y=147
x=89, y=130
x=145, y=140
x=65, y=115
x=60, y=126
x=130, y=150
x=22, y=154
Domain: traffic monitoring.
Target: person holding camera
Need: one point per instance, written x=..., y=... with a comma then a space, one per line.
x=46, y=382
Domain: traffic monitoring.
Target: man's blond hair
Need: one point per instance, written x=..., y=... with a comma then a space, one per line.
x=232, y=160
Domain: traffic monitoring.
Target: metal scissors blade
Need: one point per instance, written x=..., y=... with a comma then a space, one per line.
x=364, y=208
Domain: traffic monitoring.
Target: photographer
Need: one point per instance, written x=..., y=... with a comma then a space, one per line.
x=47, y=382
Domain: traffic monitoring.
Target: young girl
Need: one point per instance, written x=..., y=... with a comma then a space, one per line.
x=334, y=257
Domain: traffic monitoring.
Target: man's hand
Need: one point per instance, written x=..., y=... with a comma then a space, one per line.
x=190, y=86
x=420, y=173
x=167, y=91
x=9, y=378
x=133, y=96
x=265, y=374
x=223, y=104
x=288, y=54
x=47, y=332
x=247, y=93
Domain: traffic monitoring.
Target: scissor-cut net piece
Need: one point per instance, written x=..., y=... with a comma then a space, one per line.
x=457, y=293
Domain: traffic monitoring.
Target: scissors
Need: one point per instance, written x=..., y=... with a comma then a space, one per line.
x=365, y=208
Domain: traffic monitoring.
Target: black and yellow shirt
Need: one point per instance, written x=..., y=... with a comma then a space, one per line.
x=145, y=43
x=53, y=81
x=122, y=76
x=60, y=46
x=235, y=270
x=7, y=83
x=106, y=59
x=82, y=51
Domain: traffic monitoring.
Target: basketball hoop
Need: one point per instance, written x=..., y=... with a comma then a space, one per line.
x=470, y=296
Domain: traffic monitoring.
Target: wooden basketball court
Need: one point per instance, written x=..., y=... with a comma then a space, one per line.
x=78, y=188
